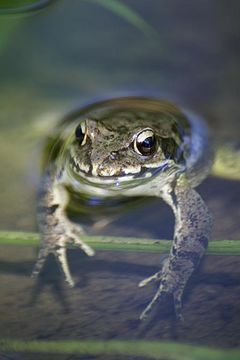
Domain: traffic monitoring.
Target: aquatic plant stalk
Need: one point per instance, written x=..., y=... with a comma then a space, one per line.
x=125, y=12
x=219, y=247
x=143, y=348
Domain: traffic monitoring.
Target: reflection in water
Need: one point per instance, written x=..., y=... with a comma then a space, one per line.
x=126, y=148
x=22, y=6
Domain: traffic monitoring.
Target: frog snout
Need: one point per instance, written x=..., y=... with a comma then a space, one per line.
x=105, y=170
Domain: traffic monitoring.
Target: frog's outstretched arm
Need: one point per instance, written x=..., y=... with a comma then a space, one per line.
x=56, y=230
x=192, y=230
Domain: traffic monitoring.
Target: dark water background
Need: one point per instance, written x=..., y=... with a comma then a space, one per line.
x=76, y=51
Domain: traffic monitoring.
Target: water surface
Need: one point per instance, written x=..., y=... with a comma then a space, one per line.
x=72, y=53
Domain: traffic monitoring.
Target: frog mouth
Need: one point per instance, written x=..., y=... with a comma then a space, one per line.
x=143, y=175
x=85, y=172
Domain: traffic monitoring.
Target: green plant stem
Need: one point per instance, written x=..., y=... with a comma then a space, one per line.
x=220, y=247
x=125, y=12
x=149, y=349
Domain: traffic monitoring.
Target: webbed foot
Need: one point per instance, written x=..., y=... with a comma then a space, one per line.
x=55, y=242
x=165, y=288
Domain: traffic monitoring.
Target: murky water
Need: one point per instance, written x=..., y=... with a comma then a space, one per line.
x=22, y=7
x=72, y=53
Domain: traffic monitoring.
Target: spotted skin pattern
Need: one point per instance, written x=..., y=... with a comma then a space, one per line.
x=129, y=147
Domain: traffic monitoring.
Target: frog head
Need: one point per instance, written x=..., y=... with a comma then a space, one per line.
x=128, y=144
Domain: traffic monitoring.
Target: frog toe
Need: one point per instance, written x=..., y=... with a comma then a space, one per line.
x=149, y=307
x=43, y=253
x=154, y=277
x=177, y=296
x=60, y=254
x=75, y=240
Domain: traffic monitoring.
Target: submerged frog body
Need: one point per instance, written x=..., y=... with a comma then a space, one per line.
x=130, y=147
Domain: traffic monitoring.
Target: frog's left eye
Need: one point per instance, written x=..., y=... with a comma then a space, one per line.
x=145, y=143
x=81, y=133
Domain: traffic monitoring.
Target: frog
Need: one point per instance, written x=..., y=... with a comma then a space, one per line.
x=128, y=147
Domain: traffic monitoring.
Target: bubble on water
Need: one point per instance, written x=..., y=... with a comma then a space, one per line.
x=8, y=7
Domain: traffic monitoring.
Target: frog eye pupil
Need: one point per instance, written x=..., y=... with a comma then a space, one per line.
x=148, y=143
x=145, y=143
x=80, y=135
x=147, y=147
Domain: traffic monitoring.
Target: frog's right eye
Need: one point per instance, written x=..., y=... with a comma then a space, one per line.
x=81, y=133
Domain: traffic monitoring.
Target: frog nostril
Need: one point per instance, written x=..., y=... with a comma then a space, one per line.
x=113, y=155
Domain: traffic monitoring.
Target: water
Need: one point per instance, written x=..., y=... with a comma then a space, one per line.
x=22, y=7
x=72, y=53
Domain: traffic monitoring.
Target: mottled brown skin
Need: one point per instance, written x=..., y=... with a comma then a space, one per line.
x=129, y=147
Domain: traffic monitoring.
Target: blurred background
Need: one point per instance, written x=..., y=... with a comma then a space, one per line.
x=72, y=52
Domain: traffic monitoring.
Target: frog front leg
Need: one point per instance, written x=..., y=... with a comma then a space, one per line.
x=56, y=229
x=192, y=230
